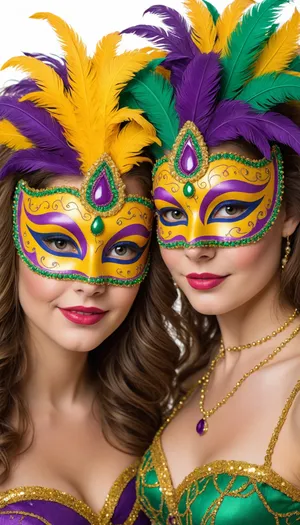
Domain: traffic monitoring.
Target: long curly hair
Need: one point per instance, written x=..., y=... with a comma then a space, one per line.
x=133, y=368
x=199, y=334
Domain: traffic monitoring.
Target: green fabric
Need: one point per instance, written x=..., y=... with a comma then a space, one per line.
x=219, y=499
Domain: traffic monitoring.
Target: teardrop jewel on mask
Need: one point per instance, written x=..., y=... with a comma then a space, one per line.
x=102, y=194
x=103, y=190
x=188, y=161
x=97, y=226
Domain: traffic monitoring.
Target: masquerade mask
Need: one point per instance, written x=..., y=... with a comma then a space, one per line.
x=94, y=234
x=67, y=118
x=222, y=200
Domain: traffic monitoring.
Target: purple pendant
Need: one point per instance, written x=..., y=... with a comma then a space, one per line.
x=188, y=159
x=102, y=194
x=201, y=427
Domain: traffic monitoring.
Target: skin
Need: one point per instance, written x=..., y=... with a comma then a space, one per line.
x=67, y=449
x=247, y=307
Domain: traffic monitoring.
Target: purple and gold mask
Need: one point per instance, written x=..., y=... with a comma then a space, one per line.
x=221, y=200
x=94, y=234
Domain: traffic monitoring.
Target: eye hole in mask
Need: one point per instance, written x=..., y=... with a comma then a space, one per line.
x=232, y=210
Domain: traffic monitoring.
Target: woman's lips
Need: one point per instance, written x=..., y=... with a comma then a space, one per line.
x=204, y=281
x=83, y=315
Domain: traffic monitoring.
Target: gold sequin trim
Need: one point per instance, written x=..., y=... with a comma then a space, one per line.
x=278, y=428
x=45, y=494
x=114, y=495
x=257, y=473
x=163, y=474
x=102, y=518
x=24, y=514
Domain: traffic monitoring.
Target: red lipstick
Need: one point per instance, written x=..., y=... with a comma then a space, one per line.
x=204, y=281
x=83, y=314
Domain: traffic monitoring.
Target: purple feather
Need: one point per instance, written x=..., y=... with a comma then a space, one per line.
x=279, y=129
x=21, y=88
x=234, y=119
x=36, y=124
x=197, y=93
x=177, y=26
x=28, y=161
x=58, y=64
x=28, y=85
x=177, y=40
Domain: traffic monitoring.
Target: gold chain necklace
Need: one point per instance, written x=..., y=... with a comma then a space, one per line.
x=202, y=425
x=266, y=338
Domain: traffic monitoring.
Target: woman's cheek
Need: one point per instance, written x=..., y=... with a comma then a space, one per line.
x=171, y=257
x=32, y=285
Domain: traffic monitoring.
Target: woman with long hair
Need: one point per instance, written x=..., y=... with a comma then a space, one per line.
x=82, y=379
x=227, y=198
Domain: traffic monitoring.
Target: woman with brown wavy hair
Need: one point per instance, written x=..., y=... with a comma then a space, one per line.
x=83, y=380
x=227, y=198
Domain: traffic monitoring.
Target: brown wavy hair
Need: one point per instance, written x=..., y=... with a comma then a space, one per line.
x=199, y=334
x=133, y=368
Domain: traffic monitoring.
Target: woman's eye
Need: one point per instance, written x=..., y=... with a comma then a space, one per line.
x=61, y=245
x=123, y=251
x=229, y=210
x=173, y=215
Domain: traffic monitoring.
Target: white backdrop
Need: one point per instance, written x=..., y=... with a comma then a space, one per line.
x=90, y=18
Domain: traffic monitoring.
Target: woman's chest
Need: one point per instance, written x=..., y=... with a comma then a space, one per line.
x=218, y=495
x=80, y=463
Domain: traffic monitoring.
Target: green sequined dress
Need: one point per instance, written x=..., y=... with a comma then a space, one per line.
x=221, y=492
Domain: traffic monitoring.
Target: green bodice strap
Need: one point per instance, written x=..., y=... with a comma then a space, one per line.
x=221, y=492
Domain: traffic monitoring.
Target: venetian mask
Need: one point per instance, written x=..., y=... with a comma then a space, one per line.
x=95, y=234
x=223, y=199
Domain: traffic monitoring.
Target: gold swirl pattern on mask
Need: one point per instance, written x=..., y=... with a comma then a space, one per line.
x=45, y=205
x=70, y=206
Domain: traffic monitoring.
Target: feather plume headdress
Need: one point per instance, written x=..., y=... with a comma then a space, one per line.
x=228, y=72
x=66, y=114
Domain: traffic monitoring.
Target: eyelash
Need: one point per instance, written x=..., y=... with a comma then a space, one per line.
x=47, y=240
x=161, y=214
x=248, y=207
x=132, y=245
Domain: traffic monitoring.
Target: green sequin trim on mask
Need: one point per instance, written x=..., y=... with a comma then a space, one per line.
x=276, y=153
x=22, y=186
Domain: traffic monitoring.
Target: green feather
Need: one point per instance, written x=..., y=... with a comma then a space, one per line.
x=295, y=65
x=153, y=94
x=245, y=44
x=213, y=11
x=266, y=91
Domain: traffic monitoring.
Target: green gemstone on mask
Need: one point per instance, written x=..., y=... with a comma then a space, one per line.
x=97, y=226
x=188, y=190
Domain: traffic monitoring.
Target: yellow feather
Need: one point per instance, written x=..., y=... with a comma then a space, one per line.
x=52, y=94
x=227, y=23
x=11, y=137
x=81, y=78
x=203, y=28
x=123, y=115
x=63, y=113
x=127, y=148
x=89, y=112
x=112, y=72
x=294, y=73
x=281, y=48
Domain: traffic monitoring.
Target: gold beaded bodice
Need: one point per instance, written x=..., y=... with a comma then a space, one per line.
x=220, y=492
x=41, y=505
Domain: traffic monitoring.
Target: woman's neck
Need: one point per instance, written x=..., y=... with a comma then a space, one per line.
x=255, y=319
x=55, y=376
